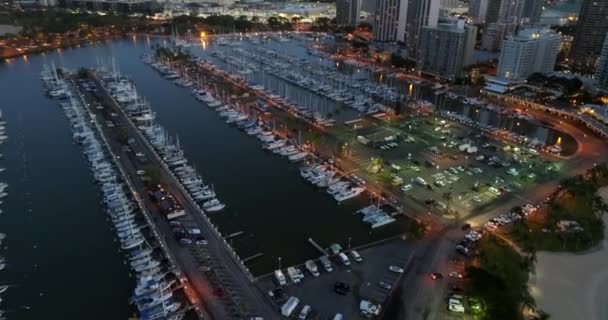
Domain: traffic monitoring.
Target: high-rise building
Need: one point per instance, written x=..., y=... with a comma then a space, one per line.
x=511, y=11
x=478, y=10
x=389, y=20
x=348, y=12
x=492, y=13
x=530, y=50
x=447, y=48
x=368, y=6
x=590, y=31
x=601, y=73
x=420, y=13
x=533, y=10
x=494, y=34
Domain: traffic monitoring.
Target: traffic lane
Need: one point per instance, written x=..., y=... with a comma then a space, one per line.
x=420, y=289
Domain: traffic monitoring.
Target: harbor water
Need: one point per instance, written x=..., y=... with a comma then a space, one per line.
x=62, y=261
x=62, y=258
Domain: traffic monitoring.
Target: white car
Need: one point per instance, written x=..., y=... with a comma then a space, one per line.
x=459, y=308
x=356, y=256
x=407, y=187
x=395, y=269
x=455, y=274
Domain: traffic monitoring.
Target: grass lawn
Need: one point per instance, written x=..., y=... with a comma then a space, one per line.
x=499, y=280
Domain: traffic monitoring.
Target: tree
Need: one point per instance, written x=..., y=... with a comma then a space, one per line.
x=365, y=26
x=527, y=301
x=537, y=77
x=273, y=22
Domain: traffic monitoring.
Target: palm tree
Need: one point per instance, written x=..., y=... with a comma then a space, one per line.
x=527, y=301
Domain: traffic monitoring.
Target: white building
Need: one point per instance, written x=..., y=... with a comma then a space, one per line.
x=348, y=12
x=445, y=50
x=530, y=50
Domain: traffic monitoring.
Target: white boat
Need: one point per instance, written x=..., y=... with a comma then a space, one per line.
x=298, y=156
x=147, y=266
x=3, y=288
x=275, y=144
x=132, y=242
x=348, y=194
x=213, y=205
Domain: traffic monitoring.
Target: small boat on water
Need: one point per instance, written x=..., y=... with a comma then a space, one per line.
x=213, y=205
x=348, y=194
x=3, y=288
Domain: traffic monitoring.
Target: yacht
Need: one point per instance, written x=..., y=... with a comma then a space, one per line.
x=275, y=144
x=348, y=194
x=135, y=255
x=213, y=205
x=132, y=242
x=298, y=156
x=147, y=265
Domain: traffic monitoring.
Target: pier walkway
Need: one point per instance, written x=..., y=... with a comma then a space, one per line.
x=247, y=300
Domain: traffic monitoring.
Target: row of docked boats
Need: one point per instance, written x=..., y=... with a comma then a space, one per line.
x=244, y=120
x=3, y=287
x=319, y=78
x=325, y=176
x=321, y=175
x=375, y=216
x=3, y=194
x=167, y=148
x=153, y=299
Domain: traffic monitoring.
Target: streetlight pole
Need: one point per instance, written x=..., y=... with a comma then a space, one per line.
x=349, y=238
x=279, y=263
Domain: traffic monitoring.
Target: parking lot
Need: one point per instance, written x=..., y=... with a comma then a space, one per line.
x=446, y=164
x=362, y=278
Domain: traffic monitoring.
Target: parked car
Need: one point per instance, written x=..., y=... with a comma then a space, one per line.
x=384, y=285
x=395, y=269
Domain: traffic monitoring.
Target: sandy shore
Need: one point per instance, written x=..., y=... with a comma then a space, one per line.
x=573, y=286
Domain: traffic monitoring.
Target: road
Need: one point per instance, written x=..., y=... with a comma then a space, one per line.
x=236, y=282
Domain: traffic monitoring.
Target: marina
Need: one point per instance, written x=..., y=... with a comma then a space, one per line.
x=207, y=165
x=153, y=293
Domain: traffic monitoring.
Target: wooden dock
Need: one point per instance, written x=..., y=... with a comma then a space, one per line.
x=236, y=234
x=255, y=256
